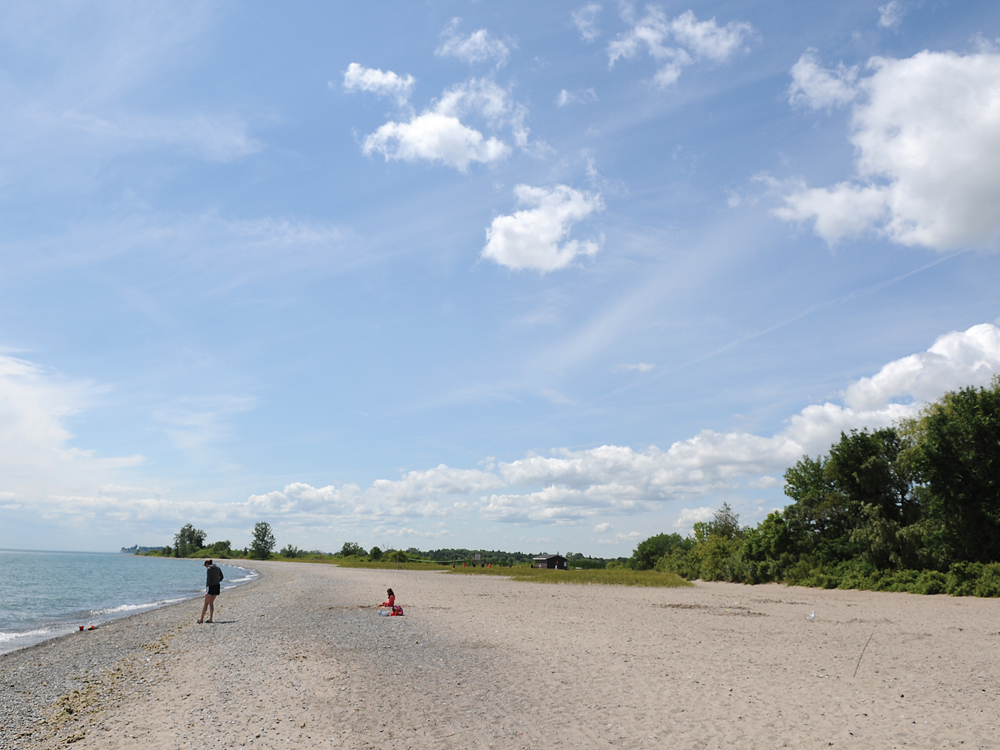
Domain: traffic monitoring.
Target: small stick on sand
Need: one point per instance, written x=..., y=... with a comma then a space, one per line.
x=862, y=654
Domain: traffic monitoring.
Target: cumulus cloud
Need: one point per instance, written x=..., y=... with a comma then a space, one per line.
x=819, y=87
x=679, y=42
x=585, y=20
x=956, y=360
x=535, y=237
x=477, y=47
x=690, y=516
x=417, y=494
x=564, y=487
x=926, y=131
x=375, y=81
x=891, y=14
x=439, y=135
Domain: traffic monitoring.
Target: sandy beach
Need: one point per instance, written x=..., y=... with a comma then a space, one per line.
x=300, y=659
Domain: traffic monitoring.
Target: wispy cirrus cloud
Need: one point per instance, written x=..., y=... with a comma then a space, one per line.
x=477, y=47
x=585, y=20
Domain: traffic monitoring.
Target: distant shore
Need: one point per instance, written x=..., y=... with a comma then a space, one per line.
x=300, y=659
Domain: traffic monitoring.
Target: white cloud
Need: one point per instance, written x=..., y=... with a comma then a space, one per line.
x=418, y=494
x=584, y=96
x=926, y=130
x=435, y=137
x=690, y=516
x=567, y=487
x=821, y=88
x=35, y=444
x=708, y=40
x=631, y=536
x=585, y=20
x=438, y=134
x=891, y=14
x=694, y=40
x=956, y=360
x=534, y=237
x=477, y=47
x=637, y=367
x=373, y=80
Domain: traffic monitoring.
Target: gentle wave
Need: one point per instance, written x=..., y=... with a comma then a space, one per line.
x=135, y=607
x=7, y=637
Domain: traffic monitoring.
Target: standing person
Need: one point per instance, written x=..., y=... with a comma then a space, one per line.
x=213, y=580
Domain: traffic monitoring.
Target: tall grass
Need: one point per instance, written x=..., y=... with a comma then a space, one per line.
x=349, y=562
x=615, y=577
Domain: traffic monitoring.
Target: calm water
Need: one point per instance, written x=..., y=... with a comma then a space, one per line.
x=46, y=594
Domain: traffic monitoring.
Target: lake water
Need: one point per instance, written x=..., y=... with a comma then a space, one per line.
x=47, y=594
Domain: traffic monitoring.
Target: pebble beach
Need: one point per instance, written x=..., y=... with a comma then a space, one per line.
x=300, y=659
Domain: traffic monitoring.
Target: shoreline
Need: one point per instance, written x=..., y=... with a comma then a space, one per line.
x=34, y=678
x=301, y=660
x=60, y=626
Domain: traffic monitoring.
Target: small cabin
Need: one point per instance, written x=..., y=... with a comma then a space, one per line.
x=555, y=562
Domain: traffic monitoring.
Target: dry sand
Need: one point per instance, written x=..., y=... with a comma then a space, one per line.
x=301, y=660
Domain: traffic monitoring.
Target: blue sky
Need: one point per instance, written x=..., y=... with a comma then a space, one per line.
x=477, y=274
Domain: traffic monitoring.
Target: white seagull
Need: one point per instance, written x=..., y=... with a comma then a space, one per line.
x=812, y=616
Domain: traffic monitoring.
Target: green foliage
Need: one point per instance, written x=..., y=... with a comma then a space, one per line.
x=383, y=564
x=619, y=576
x=188, y=541
x=263, y=541
x=959, y=461
x=911, y=508
x=650, y=551
x=397, y=556
x=375, y=554
x=290, y=551
x=352, y=548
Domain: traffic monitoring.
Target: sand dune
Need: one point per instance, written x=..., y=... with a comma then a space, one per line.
x=300, y=660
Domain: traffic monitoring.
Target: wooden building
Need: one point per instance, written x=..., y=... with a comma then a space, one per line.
x=556, y=562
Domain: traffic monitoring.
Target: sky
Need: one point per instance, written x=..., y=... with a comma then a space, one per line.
x=504, y=275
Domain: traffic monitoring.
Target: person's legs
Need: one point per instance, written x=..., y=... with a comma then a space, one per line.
x=204, y=607
x=210, y=600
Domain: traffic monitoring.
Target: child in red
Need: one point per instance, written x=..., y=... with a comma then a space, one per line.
x=394, y=609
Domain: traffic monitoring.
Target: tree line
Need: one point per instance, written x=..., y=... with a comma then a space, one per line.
x=914, y=507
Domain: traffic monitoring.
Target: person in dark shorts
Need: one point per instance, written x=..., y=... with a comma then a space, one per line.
x=213, y=580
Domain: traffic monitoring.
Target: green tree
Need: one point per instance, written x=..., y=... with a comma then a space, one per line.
x=649, y=552
x=725, y=523
x=375, y=554
x=352, y=548
x=959, y=460
x=188, y=540
x=290, y=551
x=397, y=556
x=263, y=541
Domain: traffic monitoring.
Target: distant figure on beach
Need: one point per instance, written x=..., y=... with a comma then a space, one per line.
x=390, y=601
x=213, y=580
x=394, y=609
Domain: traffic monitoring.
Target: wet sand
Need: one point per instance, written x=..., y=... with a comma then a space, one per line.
x=301, y=660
